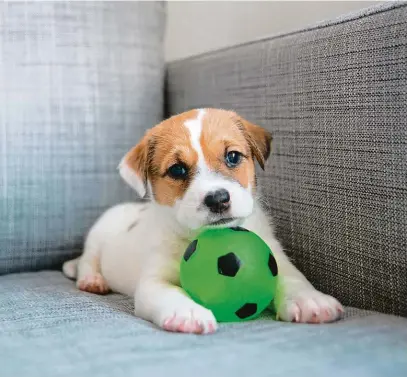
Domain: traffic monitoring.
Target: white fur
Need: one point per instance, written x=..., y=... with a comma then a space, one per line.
x=132, y=178
x=195, y=129
x=142, y=259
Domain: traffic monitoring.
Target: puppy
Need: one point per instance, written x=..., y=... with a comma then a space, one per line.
x=198, y=168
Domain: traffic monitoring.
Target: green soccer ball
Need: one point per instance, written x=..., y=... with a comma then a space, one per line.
x=230, y=271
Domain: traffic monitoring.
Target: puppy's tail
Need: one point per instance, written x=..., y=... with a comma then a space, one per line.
x=70, y=268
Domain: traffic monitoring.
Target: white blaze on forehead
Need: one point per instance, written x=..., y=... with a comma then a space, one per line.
x=194, y=127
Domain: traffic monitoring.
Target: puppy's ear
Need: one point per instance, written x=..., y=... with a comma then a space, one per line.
x=135, y=165
x=259, y=140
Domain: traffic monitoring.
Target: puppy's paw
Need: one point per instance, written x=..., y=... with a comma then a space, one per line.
x=93, y=283
x=194, y=319
x=309, y=306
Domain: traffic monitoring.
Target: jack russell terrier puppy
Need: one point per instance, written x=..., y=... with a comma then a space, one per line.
x=198, y=168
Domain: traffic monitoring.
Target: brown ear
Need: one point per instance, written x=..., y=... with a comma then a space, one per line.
x=259, y=140
x=134, y=165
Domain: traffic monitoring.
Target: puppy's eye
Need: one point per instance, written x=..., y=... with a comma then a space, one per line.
x=178, y=171
x=233, y=158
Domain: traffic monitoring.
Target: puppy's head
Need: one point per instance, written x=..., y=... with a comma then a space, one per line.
x=200, y=164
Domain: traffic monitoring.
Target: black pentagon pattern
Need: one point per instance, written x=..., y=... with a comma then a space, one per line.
x=190, y=250
x=273, y=265
x=247, y=310
x=239, y=229
x=229, y=264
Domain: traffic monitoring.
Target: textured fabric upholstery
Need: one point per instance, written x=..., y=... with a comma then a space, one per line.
x=79, y=84
x=50, y=329
x=334, y=97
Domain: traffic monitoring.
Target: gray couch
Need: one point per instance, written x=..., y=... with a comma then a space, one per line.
x=79, y=84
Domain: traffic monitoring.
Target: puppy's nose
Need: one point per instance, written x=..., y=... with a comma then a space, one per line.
x=218, y=201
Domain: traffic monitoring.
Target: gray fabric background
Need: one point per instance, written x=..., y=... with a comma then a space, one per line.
x=334, y=98
x=79, y=84
x=50, y=329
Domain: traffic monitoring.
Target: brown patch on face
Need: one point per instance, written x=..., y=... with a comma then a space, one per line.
x=163, y=146
x=223, y=132
x=169, y=143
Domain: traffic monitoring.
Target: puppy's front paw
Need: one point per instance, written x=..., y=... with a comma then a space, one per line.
x=308, y=305
x=192, y=318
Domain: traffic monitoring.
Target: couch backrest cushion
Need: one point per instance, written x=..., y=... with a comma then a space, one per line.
x=79, y=84
x=334, y=97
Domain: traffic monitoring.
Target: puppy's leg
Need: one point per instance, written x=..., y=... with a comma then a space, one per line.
x=116, y=220
x=86, y=269
x=90, y=278
x=168, y=307
x=297, y=300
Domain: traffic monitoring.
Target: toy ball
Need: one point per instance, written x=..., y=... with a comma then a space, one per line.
x=230, y=271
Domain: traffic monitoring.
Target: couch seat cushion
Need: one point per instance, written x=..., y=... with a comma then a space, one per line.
x=49, y=328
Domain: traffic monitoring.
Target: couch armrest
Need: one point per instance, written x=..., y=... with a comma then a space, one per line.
x=334, y=97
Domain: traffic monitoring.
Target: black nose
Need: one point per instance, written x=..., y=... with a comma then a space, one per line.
x=218, y=201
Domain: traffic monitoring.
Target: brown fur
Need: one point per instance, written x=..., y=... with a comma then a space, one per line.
x=169, y=143
x=220, y=135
